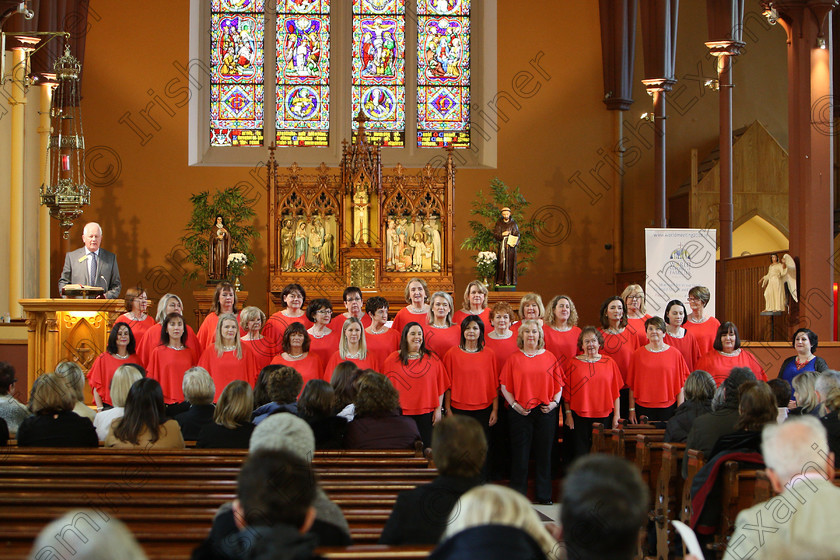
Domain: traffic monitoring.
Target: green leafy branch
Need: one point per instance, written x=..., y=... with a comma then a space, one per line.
x=488, y=209
x=238, y=212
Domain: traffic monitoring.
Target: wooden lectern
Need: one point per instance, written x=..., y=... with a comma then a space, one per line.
x=67, y=329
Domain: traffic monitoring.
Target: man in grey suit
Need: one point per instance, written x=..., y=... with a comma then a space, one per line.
x=803, y=516
x=91, y=265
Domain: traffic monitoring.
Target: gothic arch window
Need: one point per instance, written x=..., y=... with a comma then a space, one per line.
x=296, y=72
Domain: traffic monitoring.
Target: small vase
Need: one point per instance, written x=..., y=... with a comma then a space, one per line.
x=236, y=283
x=488, y=282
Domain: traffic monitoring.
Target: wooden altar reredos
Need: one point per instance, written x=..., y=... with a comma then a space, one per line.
x=355, y=226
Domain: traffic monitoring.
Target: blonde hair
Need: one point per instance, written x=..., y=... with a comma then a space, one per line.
x=235, y=405
x=552, y=306
x=124, y=378
x=481, y=288
x=520, y=339
x=408, y=286
x=531, y=298
x=50, y=394
x=803, y=384
x=492, y=504
x=74, y=377
x=249, y=314
x=162, y=305
x=198, y=386
x=430, y=316
x=344, y=346
x=633, y=289
x=218, y=345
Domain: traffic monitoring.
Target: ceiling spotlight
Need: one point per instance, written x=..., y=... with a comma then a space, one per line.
x=821, y=43
x=646, y=117
x=712, y=84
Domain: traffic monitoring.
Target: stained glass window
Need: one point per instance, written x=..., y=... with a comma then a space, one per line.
x=378, y=75
x=443, y=73
x=236, y=88
x=303, y=72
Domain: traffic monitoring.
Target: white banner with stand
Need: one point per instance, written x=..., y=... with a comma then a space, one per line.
x=676, y=261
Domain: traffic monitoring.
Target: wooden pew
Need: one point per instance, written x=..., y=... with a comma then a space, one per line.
x=599, y=439
x=695, y=463
x=624, y=442
x=648, y=458
x=666, y=497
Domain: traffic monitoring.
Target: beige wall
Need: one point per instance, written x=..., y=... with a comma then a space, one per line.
x=552, y=139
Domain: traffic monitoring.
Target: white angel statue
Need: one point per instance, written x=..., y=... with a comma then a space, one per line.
x=778, y=275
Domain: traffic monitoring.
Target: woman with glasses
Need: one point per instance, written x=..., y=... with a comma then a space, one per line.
x=293, y=296
x=324, y=339
x=704, y=327
x=135, y=316
x=634, y=304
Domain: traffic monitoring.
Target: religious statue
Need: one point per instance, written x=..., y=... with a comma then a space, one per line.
x=300, y=245
x=287, y=254
x=219, y=250
x=506, y=233
x=778, y=275
x=361, y=212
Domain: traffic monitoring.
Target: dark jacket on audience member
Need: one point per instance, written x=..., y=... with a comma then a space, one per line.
x=420, y=516
x=267, y=410
x=832, y=426
x=489, y=542
x=677, y=428
x=4, y=432
x=194, y=419
x=382, y=432
x=280, y=542
x=65, y=429
x=707, y=429
x=217, y=436
x=329, y=432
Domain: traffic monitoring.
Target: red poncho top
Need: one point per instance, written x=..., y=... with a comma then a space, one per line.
x=405, y=316
x=688, y=347
x=502, y=347
x=719, y=365
x=637, y=326
x=562, y=344
x=102, y=372
x=338, y=321
x=138, y=328
x=310, y=367
x=275, y=327
x=167, y=366
x=151, y=340
x=460, y=315
x=380, y=346
x=590, y=388
x=472, y=378
x=420, y=383
x=440, y=341
x=325, y=346
x=227, y=367
x=620, y=347
x=207, y=330
x=657, y=378
x=704, y=333
x=262, y=349
x=532, y=381
x=368, y=362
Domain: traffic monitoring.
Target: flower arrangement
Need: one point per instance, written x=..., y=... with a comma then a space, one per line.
x=485, y=264
x=236, y=264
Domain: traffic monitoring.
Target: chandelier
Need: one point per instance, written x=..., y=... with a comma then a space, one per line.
x=66, y=192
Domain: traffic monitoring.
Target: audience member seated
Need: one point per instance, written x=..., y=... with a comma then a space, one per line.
x=92, y=539
x=75, y=378
x=273, y=512
x=11, y=410
x=605, y=505
x=53, y=422
x=781, y=392
x=699, y=390
x=4, y=433
x=231, y=427
x=199, y=391
x=823, y=385
x=707, y=428
x=284, y=385
x=120, y=350
x=315, y=406
x=261, y=386
x=493, y=522
x=144, y=424
x=831, y=422
x=123, y=379
x=756, y=408
x=379, y=423
x=801, y=471
x=459, y=448
x=288, y=433
x=252, y=321
x=804, y=394
x=225, y=359
x=343, y=382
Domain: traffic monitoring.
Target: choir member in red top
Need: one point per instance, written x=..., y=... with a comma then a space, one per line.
x=416, y=295
x=381, y=341
x=324, y=340
x=120, y=350
x=293, y=296
x=135, y=317
x=590, y=390
x=418, y=376
x=252, y=320
x=169, y=303
x=619, y=343
x=532, y=384
x=440, y=334
x=703, y=327
x=352, y=297
x=634, y=306
x=227, y=360
x=728, y=354
x=224, y=301
x=530, y=308
x=657, y=376
x=172, y=358
x=677, y=336
x=296, y=354
x=475, y=303
x=561, y=330
x=472, y=377
x=501, y=340
x=352, y=347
